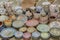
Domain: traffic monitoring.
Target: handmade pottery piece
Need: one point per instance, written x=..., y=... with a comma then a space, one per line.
x=26, y=36
x=43, y=28
x=35, y=35
x=7, y=32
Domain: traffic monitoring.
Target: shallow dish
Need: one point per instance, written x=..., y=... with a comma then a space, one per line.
x=7, y=32
x=43, y=28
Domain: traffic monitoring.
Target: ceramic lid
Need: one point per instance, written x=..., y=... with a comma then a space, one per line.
x=17, y=24
x=55, y=31
x=18, y=34
x=27, y=35
x=45, y=35
x=35, y=34
x=7, y=32
x=54, y=24
x=32, y=22
x=43, y=27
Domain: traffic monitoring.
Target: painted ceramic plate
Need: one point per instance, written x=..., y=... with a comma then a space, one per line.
x=55, y=32
x=54, y=24
x=43, y=28
x=7, y=32
x=18, y=24
x=32, y=22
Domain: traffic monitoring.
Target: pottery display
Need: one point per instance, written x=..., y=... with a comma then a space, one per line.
x=29, y=20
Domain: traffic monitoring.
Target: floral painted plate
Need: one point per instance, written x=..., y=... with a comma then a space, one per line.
x=7, y=32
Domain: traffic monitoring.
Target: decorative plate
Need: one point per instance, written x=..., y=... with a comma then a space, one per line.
x=54, y=24
x=7, y=32
x=55, y=32
x=43, y=28
x=32, y=22
x=17, y=24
